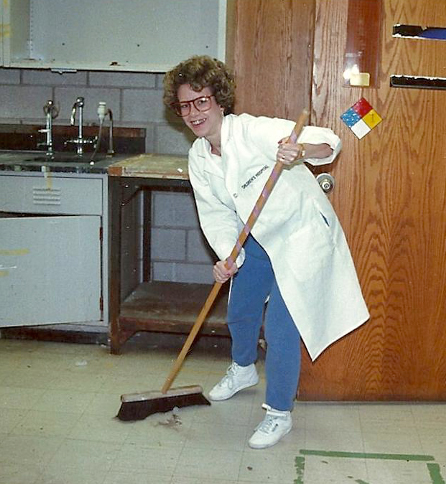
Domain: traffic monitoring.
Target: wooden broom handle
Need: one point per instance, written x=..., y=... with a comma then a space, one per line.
x=277, y=170
x=267, y=189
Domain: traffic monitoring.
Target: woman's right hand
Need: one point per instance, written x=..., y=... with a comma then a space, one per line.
x=222, y=273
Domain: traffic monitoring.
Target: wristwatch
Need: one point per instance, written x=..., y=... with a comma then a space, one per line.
x=302, y=150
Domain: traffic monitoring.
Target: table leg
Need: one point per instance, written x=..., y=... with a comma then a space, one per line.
x=115, y=217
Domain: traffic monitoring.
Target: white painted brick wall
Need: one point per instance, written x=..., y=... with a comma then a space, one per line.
x=174, y=210
x=9, y=76
x=48, y=78
x=66, y=96
x=123, y=79
x=179, y=251
x=23, y=103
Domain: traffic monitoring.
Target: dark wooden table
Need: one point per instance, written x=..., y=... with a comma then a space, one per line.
x=153, y=305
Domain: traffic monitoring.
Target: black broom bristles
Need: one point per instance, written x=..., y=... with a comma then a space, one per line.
x=140, y=406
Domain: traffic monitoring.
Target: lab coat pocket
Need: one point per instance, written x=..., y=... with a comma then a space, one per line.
x=310, y=250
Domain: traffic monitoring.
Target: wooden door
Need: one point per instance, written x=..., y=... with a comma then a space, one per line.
x=272, y=56
x=390, y=196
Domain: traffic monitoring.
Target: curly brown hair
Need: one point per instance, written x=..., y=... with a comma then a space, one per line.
x=200, y=72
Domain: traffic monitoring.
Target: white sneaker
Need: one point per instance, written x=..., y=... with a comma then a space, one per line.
x=274, y=426
x=237, y=378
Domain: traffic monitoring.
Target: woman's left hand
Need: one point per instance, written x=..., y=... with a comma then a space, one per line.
x=222, y=273
x=289, y=153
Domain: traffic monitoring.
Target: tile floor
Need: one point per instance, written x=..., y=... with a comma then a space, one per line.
x=57, y=426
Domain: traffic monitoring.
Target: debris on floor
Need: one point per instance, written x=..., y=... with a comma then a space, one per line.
x=173, y=419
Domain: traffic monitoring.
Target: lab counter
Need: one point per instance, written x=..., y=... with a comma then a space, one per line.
x=169, y=307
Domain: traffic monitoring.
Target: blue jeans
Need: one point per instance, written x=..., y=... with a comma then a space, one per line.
x=251, y=286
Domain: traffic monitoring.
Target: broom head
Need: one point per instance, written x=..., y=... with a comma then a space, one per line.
x=138, y=406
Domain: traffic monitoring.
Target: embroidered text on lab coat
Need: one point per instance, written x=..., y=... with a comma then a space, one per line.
x=246, y=185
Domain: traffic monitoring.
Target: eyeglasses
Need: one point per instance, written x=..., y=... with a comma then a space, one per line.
x=202, y=103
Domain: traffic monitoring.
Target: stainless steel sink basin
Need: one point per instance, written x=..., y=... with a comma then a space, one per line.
x=62, y=157
x=63, y=161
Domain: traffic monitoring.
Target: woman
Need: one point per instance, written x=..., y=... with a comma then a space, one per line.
x=296, y=256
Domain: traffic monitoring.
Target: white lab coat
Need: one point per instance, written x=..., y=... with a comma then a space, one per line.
x=297, y=227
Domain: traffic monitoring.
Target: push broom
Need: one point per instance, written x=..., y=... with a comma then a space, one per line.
x=138, y=406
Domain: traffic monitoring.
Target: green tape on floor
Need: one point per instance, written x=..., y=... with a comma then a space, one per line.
x=299, y=464
x=433, y=468
x=434, y=472
x=365, y=455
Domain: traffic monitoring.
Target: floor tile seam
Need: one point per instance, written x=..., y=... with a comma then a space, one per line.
x=47, y=472
x=27, y=411
x=388, y=464
x=387, y=419
x=2, y=380
x=241, y=479
x=178, y=470
x=111, y=473
x=81, y=411
x=332, y=429
x=39, y=471
x=71, y=437
x=40, y=391
x=246, y=452
x=48, y=366
x=221, y=423
x=49, y=460
x=70, y=390
x=363, y=442
x=178, y=458
x=420, y=440
x=13, y=389
x=32, y=373
x=189, y=444
x=65, y=434
x=370, y=426
x=343, y=421
x=130, y=437
x=52, y=412
x=75, y=466
x=307, y=439
x=340, y=410
x=371, y=435
x=87, y=370
x=431, y=429
x=74, y=389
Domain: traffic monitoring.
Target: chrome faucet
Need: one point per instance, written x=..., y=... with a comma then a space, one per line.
x=80, y=141
x=103, y=111
x=79, y=107
x=51, y=112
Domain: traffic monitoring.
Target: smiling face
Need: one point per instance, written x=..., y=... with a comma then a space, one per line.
x=205, y=124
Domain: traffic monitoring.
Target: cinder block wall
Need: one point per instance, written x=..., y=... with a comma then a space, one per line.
x=178, y=252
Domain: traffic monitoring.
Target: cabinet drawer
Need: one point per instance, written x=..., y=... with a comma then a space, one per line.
x=71, y=196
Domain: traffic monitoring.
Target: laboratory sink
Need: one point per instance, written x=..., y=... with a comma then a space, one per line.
x=64, y=157
x=56, y=157
x=59, y=161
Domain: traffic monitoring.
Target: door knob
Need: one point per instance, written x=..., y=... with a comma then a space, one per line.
x=326, y=182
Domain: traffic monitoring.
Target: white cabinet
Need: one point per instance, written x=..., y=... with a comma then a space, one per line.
x=128, y=35
x=53, y=249
x=50, y=270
